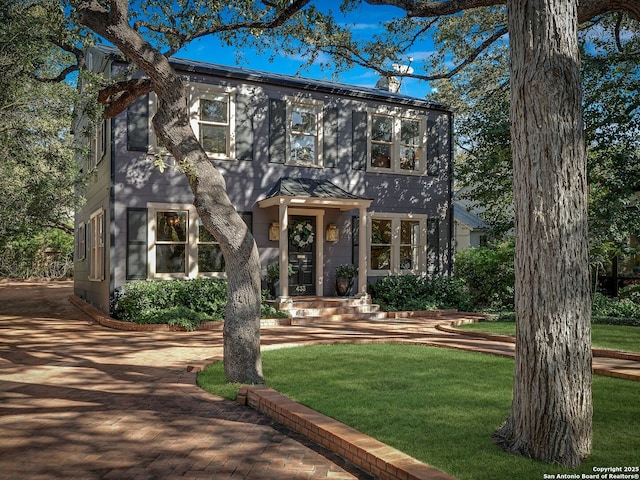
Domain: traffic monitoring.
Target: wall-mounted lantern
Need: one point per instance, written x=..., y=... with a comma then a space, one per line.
x=332, y=233
x=274, y=232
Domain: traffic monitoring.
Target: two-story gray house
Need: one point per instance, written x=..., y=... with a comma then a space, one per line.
x=323, y=173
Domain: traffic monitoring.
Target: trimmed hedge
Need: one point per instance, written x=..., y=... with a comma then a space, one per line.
x=185, y=303
x=414, y=292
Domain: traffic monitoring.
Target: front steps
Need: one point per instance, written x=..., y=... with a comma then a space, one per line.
x=307, y=310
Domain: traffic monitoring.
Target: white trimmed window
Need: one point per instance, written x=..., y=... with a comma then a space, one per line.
x=213, y=119
x=81, y=245
x=397, y=142
x=304, y=141
x=98, y=144
x=398, y=244
x=179, y=244
x=96, y=246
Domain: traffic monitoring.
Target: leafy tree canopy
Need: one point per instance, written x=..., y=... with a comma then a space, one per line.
x=36, y=151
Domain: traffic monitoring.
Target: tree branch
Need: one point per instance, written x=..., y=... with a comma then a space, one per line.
x=417, y=8
x=280, y=18
x=587, y=9
x=120, y=95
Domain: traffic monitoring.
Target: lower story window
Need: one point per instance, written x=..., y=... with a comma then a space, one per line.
x=96, y=246
x=398, y=244
x=171, y=241
x=179, y=244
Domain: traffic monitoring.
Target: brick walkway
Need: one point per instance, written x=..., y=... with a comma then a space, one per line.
x=79, y=401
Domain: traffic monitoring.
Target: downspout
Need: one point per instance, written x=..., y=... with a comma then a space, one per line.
x=450, y=197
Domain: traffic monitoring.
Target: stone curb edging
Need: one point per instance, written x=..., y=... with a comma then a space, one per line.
x=597, y=352
x=109, y=322
x=367, y=453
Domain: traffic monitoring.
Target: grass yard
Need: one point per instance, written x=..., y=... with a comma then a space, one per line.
x=438, y=405
x=613, y=337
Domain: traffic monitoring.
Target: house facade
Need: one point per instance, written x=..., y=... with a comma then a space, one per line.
x=324, y=174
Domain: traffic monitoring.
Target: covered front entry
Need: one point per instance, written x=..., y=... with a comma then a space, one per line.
x=302, y=203
x=302, y=241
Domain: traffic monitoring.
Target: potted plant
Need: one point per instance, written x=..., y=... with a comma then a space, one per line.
x=273, y=278
x=344, y=278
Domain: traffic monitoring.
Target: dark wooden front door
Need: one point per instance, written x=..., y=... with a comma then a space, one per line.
x=302, y=249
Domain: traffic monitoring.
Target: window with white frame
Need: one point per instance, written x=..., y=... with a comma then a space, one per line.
x=171, y=241
x=213, y=119
x=179, y=244
x=305, y=131
x=98, y=144
x=96, y=246
x=397, y=143
x=81, y=246
x=398, y=244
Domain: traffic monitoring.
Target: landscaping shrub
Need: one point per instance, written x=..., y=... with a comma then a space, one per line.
x=414, y=292
x=615, y=311
x=631, y=292
x=490, y=275
x=186, y=303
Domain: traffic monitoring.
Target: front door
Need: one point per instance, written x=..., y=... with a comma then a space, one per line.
x=303, y=236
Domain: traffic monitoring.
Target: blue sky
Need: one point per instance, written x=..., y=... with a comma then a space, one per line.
x=365, y=20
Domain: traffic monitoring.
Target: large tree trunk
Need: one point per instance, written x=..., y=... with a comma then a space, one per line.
x=171, y=123
x=551, y=414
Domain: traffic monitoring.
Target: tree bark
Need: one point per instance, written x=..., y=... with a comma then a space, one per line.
x=551, y=414
x=242, y=358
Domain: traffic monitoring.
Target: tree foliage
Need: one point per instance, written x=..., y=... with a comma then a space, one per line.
x=36, y=144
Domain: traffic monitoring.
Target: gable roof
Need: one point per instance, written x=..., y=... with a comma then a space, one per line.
x=299, y=83
x=470, y=219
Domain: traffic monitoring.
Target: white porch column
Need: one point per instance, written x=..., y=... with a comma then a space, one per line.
x=363, y=253
x=284, y=250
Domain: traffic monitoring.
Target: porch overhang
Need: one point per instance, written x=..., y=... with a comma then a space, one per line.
x=307, y=192
x=299, y=194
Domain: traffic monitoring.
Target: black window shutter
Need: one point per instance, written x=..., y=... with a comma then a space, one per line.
x=277, y=130
x=138, y=124
x=136, y=244
x=359, y=140
x=437, y=142
x=433, y=246
x=244, y=128
x=330, y=137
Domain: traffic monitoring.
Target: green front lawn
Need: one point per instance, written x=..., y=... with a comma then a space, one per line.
x=437, y=405
x=613, y=337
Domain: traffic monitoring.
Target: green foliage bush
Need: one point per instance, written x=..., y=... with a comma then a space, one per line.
x=186, y=303
x=47, y=254
x=490, y=275
x=617, y=311
x=414, y=292
x=631, y=292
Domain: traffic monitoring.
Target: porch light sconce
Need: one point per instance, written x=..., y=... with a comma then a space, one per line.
x=274, y=232
x=332, y=233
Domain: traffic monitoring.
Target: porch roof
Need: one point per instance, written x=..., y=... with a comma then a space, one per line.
x=311, y=192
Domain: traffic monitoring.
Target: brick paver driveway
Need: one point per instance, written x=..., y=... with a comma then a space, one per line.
x=78, y=401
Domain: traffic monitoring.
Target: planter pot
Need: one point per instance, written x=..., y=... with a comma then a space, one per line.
x=343, y=286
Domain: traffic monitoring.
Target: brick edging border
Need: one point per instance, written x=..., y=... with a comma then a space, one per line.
x=367, y=453
x=597, y=352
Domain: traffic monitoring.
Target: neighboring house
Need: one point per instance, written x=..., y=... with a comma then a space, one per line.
x=367, y=171
x=470, y=229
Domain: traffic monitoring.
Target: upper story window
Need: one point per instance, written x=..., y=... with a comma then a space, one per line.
x=305, y=132
x=397, y=143
x=98, y=144
x=213, y=119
